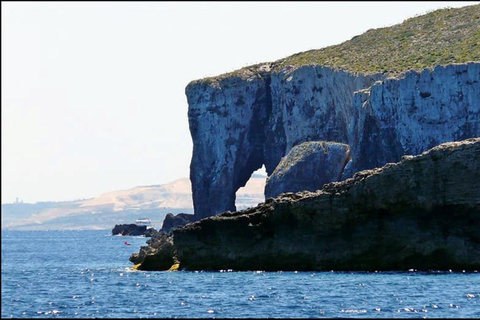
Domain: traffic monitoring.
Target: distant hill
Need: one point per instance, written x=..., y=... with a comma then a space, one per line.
x=116, y=207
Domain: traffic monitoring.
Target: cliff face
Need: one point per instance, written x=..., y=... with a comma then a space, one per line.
x=415, y=112
x=242, y=121
x=312, y=103
x=422, y=213
x=385, y=93
x=227, y=122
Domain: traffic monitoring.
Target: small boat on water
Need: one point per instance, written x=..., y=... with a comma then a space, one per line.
x=144, y=222
x=126, y=243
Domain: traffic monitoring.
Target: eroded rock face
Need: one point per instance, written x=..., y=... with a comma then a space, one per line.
x=308, y=166
x=243, y=121
x=227, y=122
x=421, y=213
x=414, y=113
x=311, y=103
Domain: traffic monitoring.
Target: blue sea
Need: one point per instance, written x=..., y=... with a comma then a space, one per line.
x=87, y=274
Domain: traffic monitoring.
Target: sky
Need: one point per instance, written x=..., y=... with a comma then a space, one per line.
x=93, y=93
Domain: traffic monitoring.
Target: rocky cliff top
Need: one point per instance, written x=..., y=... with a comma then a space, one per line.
x=246, y=73
x=441, y=37
x=443, y=151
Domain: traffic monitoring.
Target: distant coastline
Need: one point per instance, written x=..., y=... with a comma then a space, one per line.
x=116, y=207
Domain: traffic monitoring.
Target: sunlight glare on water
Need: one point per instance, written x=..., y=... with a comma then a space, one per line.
x=84, y=274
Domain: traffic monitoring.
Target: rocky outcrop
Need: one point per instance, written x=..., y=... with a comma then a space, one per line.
x=308, y=166
x=159, y=254
x=129, y=230
x=421, y=213
x=256, y=116
x=133, y=230
x=173, y=221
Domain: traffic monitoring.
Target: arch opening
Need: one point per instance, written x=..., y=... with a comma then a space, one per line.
x=253, y=192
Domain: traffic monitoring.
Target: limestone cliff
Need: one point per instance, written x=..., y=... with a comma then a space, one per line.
x=415, y=112
x=227, y=121
x=424, y=91
x=421, y=213
x=238, y=124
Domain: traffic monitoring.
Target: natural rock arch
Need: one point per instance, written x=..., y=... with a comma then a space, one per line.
x=242, y=121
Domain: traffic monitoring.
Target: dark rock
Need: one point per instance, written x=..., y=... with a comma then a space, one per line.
x=129, y=230
x=157, y=255
x=151, y=232
x=421, y=213
x=308, y=166
x=173, y=221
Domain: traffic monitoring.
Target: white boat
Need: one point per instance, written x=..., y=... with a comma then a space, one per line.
x=144, y=222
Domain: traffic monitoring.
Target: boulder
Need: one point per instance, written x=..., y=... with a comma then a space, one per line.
x=308, y=166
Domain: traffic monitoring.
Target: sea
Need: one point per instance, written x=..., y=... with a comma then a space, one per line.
x=87, y=274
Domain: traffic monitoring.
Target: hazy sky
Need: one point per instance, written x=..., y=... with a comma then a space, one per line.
x=93, y=93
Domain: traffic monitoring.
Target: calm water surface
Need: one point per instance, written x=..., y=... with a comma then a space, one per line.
x=85, y=274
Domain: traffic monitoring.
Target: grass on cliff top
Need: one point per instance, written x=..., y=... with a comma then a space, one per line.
x=445, y=36
x=440, y=37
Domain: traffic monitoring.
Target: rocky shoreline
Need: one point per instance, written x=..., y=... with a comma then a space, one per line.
x=420, y=213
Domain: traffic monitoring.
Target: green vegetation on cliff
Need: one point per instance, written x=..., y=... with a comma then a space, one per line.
x=445, y=36
x=440, y=37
